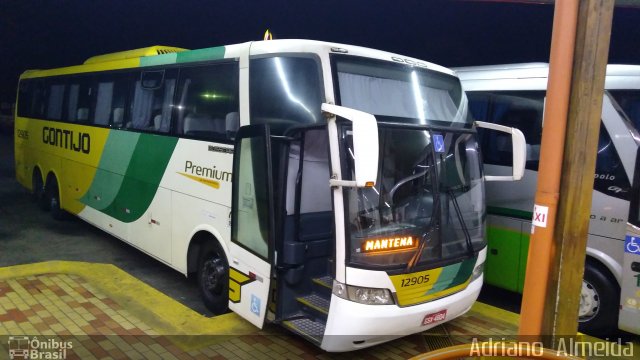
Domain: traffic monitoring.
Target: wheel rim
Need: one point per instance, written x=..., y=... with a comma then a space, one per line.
x=54, y=201
x=589, y=302
x=213, y=272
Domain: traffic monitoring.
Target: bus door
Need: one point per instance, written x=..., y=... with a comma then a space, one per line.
x=629, y=319
x=252, y=224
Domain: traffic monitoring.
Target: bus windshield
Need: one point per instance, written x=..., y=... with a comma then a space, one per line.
x=426, y=208
x=400, y=93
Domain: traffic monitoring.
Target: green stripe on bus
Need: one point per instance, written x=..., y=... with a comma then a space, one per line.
x=453, y=275
x=520, y=214
x=109, y=176
x=163, y=59
x=214, y=53
x=444, y=280
x=146, y=168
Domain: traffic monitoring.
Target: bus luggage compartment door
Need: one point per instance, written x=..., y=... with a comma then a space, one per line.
x=629, y=319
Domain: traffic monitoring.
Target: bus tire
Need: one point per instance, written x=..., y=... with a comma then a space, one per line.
x=599, y=301
x=37, y=191
x=213, y=278
x=53, y=199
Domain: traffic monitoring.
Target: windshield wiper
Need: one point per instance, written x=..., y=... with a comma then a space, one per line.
x=465, y=230
x=425, y=236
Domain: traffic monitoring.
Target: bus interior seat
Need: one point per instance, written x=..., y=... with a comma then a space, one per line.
x=202, y=125
x=157, y=122
x=316, y=219
x=232, y=123
x=118, y=116
x=83, y=114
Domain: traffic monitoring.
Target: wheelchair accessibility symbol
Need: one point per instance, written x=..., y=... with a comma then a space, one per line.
x=632, y=245
x=438, y=143
x=255, y=304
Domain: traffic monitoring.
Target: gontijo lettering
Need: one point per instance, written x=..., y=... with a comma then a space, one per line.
x=67, y=139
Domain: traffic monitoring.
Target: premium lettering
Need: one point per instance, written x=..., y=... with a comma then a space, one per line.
x=67, y=139
x=210, y=172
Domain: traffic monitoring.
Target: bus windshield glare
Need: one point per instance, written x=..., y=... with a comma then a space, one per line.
x=425, y=209
x=400, y=93
x=629, y=105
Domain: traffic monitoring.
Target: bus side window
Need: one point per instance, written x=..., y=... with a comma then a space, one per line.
x=629, y=103
x=521, y=110
x=31, y=98
x=152, y=105
x=110, y=100
x=55, y=98
x=610, y=177
x=285, y=92
x=209, y=104
x=79, y=99
x=24, y=97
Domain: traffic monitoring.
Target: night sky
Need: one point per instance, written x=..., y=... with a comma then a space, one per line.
x=53, y=33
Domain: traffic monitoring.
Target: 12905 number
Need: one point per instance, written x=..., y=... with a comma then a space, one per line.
x=415, y=280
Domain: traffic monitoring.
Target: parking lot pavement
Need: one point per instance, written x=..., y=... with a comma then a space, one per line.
x=82, y=310
x=103, y=311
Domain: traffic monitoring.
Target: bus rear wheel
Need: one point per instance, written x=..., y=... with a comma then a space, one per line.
x=213, y=278
x=599, y=302
x=53, y=200
x=38, y=192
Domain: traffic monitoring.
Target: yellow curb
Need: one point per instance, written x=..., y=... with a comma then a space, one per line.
x=495, y=313
x=165, y=315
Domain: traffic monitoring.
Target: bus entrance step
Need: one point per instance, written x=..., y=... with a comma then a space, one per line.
x=312, y=330
x=315, y=302
x=325, y=281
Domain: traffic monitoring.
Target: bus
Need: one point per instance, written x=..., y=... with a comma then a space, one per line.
x=514, y=95
x=333, y=189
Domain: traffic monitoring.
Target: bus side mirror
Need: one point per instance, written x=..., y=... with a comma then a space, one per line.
x=519, y=150
x=365, y=145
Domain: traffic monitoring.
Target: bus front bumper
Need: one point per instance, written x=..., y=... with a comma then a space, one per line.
x=353, y=326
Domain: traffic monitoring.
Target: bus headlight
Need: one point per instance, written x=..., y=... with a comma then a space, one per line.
x=477, y=271
x=363, y=295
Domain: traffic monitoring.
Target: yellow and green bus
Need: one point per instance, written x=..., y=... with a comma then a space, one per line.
x=333, y=189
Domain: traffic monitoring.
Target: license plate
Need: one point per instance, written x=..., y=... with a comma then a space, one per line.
x=434, y=318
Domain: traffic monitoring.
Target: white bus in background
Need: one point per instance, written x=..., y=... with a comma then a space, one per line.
x=514, y=95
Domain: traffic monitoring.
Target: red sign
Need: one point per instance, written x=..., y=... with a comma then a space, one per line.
x=435, y=317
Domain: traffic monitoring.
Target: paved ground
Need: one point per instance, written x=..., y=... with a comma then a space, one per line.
x=97, y=311
x=88, y=306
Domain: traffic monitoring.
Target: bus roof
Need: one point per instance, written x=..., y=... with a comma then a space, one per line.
x=164, y=55
x=136, y=53
x=533, y=76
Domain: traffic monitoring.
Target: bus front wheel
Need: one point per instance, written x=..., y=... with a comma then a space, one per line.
x=213, y=278
x=599, y=301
